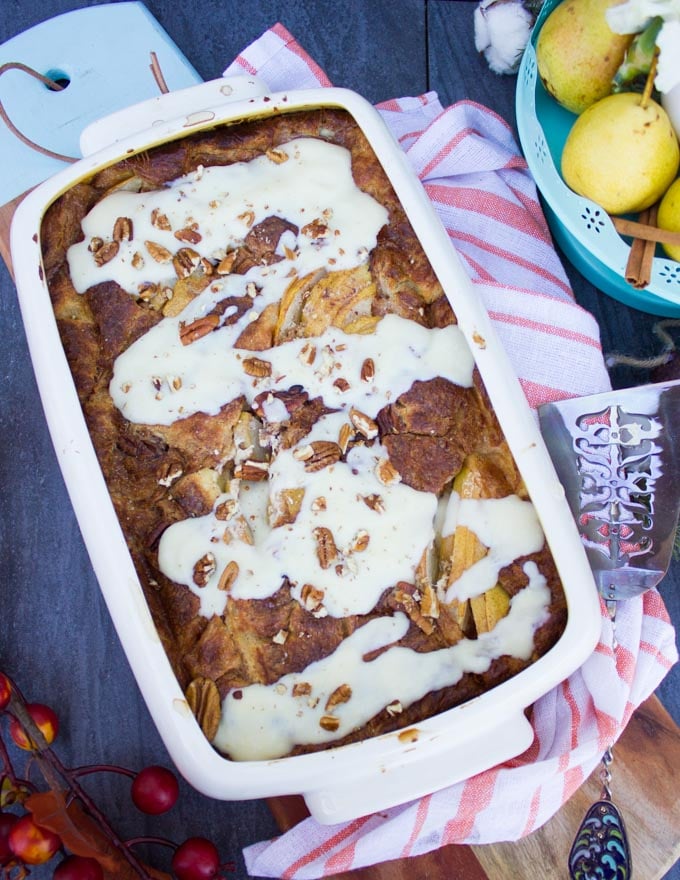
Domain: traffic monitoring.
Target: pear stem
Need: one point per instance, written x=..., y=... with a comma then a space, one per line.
x=649, y=83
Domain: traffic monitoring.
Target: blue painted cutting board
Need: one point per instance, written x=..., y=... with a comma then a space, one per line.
x=104, y=54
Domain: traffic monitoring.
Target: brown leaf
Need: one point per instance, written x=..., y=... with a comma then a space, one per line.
x=82, y=835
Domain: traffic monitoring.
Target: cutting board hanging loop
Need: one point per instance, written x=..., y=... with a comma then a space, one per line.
x=100, y=55
x=51, y=84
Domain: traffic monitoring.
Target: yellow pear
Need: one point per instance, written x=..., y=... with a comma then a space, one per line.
x=622, y=153
x=577, y=53
x=669, y=217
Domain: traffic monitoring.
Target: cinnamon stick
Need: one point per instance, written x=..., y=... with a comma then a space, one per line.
x=645, y=231
x=641, y=256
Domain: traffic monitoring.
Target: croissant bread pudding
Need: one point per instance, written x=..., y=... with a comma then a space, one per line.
x=330, y=530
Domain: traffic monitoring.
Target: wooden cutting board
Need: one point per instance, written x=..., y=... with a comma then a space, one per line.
x=645, y=787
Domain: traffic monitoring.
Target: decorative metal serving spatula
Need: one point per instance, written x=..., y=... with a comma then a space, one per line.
x=617, y=455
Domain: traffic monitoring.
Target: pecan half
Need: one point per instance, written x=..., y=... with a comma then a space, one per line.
x=185, y=261
x=203, y=699
x=199, y=328
x=257, y=367
x=252, y=471
x=367, y=370
x=326, y=551
x=122, y=229
x=323, y=454
x=228, y=576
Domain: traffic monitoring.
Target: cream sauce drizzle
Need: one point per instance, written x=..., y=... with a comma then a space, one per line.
x=261, y=722
x=508, y=526
x=225, y=202
x=399, y=534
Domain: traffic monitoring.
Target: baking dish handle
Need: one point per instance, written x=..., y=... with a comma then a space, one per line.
x=428, y=762
x=196, y=103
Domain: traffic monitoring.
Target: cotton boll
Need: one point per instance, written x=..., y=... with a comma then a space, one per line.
x=502, y=30
x=668, y=71
x=633, y=16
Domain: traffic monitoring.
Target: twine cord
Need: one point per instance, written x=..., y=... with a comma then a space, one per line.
x=56, y=87
x=51, y=84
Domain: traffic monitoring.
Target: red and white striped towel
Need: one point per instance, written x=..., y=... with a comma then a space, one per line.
x=480, y=185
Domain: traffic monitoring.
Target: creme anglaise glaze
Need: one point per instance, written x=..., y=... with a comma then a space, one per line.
x=381, y=528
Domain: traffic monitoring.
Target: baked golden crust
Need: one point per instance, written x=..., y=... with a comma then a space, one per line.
x=159, y=475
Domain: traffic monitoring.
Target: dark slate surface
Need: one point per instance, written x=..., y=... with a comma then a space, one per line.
x=55, y=633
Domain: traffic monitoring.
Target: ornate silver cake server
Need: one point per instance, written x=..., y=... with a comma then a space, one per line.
x=617, y=455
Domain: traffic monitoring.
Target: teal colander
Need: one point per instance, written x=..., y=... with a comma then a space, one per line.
x=581, y=228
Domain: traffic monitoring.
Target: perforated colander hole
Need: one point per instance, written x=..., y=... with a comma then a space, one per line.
x=593, y=220
x=59, y=77
x=670, y=273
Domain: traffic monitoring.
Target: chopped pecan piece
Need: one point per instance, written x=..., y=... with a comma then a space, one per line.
x=226, y=264
x=374, y=502
x=360, y=542
x=204, y=569
x=159, y=253
x=106, y=252
x=387, y=473
x=341, y=694
x=160, y=220
x=363, y=424
x=316, y=229
x=189, y=234
x=302, y=689
x=225, y=510
x=122, y=229
x=307, y=354
x=312, y=597
x=277, y=156
x=329, y=723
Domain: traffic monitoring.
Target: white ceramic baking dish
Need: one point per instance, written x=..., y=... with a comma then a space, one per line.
x=352, y=780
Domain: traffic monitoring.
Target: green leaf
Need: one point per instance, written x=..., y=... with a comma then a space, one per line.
x=632, y=74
